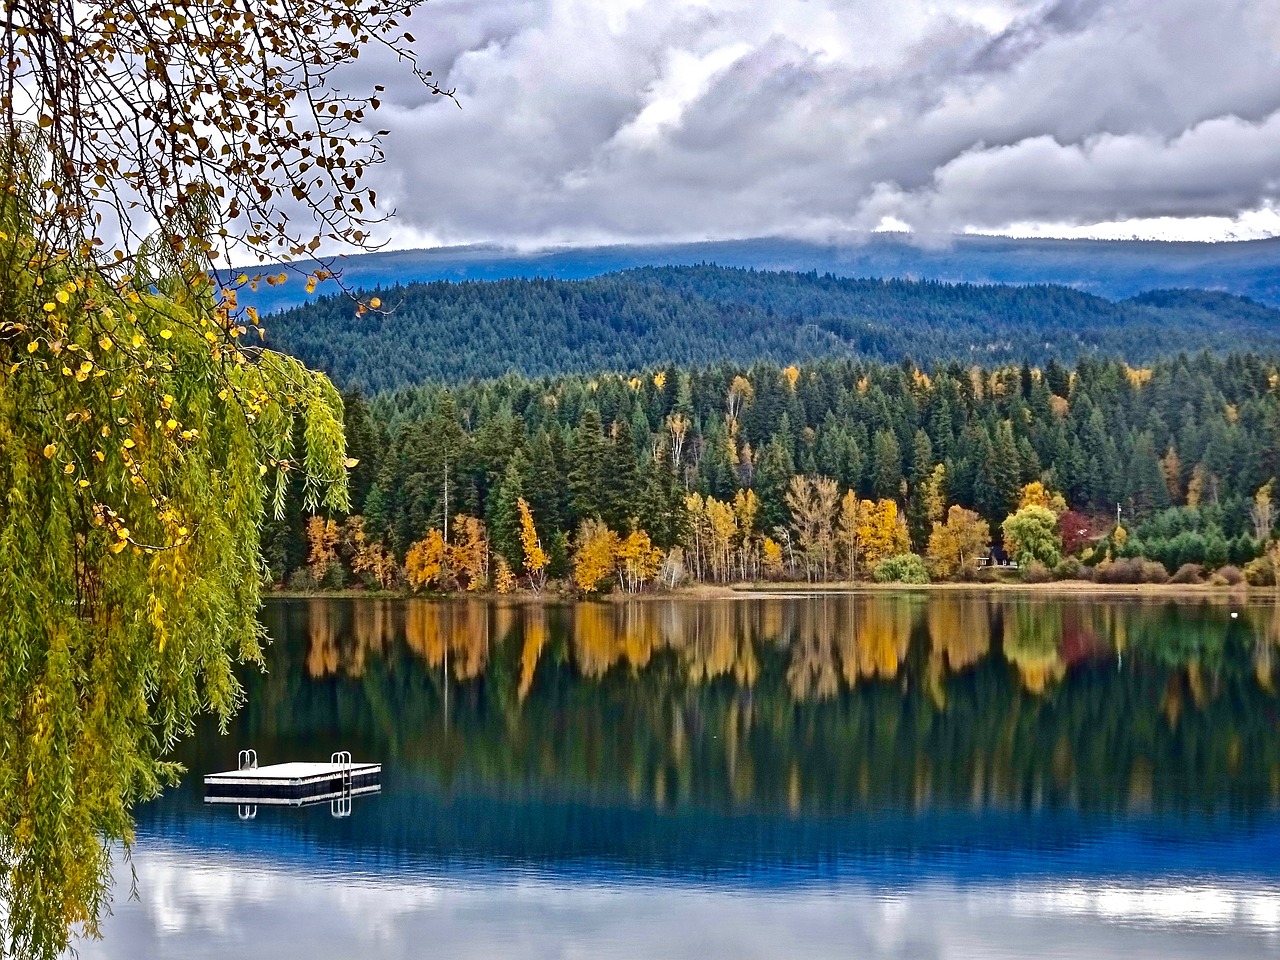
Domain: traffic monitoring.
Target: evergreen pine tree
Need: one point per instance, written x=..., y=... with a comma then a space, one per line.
x=773, y=474
x=621, y=480
x=543, y=482
x=918, y=524
x=886, y=466
x=504, y=517
x=586, y=469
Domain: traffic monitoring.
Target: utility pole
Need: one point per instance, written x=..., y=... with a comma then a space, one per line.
x=446, y=501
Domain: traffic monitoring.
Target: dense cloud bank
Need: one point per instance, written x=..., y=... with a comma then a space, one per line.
x=588, y=121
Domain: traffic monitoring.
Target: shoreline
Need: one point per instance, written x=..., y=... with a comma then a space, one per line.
x=746, y=590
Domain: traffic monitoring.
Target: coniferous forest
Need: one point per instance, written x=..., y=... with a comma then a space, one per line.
x=829, y=470
x=701, y=315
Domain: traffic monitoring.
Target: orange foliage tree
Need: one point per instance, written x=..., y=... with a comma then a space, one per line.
x=956, y=544
x=593, y=560
x=368, y=556
x=322, y=545
x=426, y=563
x=535, y=558
x=469, y=553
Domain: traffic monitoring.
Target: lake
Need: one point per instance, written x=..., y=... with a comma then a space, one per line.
x=880, y=775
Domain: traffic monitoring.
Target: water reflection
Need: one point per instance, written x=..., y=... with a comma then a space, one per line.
x=876, y=775
x=821, y=704
x=241, y=906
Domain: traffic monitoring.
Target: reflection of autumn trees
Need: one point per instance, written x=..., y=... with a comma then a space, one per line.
x=457, y=631
x=322, y=645
x=1032, y=633
x=959, y=630
x=374, y=629
x=876, y=643
x=534, y=640
x=1264, y=623
x=826, y=703
x=718, y=642
x=959, y=627
x=341, y=636
x=847, y=638
x=811, y=671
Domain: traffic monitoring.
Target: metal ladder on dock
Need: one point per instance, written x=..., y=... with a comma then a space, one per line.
x=247, y=760
x=341, y=806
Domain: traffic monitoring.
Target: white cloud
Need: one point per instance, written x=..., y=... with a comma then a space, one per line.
x=598, y=120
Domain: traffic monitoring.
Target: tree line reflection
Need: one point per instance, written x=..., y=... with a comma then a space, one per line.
x=819, y=704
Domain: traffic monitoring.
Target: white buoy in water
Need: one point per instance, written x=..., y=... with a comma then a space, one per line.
x=1234, y=614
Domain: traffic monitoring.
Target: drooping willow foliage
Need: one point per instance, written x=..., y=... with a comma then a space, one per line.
x=140, y=443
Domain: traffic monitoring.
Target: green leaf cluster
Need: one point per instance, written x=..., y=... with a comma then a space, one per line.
x=139, y=446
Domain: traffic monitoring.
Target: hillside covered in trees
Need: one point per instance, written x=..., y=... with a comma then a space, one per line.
x=821, y=471
x=1114, y=269
x=701, y=315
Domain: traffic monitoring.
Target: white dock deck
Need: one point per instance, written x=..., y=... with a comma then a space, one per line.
x=293, y=784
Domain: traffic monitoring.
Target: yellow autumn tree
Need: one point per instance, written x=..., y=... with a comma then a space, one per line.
x=596, y=547
x=1035, y=494
x=1262, y=511
x=882, y=531
x=367, y=555
x=504, y=580
x=935, y=499
x=637, y=559
x=322, y=546
x=535, y=558
x=722, y=528
x=746, y=507
x=847, y=532
x=1196, y=485
x=955, y=545
x=740, y=394
x=813, y=502
x=771, y=558
x=469, y=552
x=426, y=563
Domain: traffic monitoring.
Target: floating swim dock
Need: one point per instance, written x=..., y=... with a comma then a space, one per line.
x=293, y=784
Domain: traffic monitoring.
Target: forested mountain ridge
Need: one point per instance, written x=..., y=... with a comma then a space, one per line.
x=704, y=314
x=1114, y=269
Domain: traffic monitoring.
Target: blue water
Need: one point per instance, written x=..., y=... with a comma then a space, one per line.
x=1127, y=807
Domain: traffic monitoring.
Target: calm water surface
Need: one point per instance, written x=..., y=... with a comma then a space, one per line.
x=840, y=776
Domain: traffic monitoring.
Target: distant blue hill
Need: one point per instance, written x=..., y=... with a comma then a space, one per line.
x=1114, y=269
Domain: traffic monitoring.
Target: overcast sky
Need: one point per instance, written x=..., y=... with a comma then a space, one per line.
x=588, y=121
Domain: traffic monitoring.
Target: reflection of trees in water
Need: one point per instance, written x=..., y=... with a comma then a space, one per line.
x=322, y=636
x=959, y=628
x=343, y=636
x=879, y=631
x=534, y=640
x=456, y=632
x=1032, y=635
x=820, y=704
x=812, y=672
x=1265, y=625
